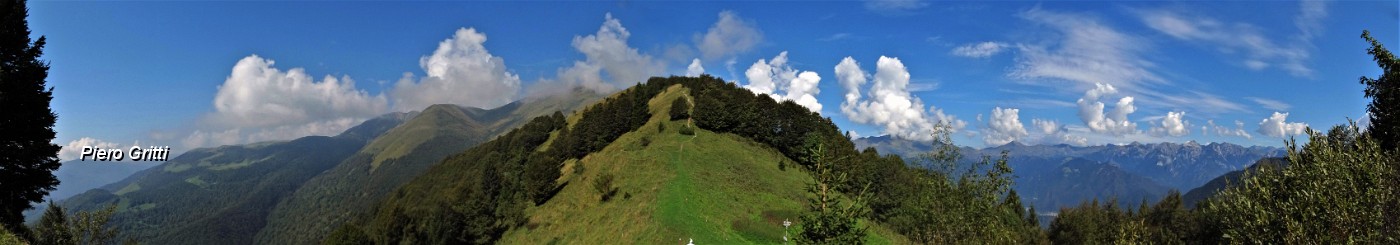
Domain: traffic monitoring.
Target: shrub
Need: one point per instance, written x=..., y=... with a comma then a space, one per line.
x=687, y=130
x=604, y=185
x=646, y=141
x=680, y=109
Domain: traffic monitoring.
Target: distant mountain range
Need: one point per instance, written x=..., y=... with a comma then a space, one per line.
x=293, y=192
x=1053, y=176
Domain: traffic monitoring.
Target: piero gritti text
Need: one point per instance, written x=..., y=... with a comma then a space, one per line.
x=152, y=153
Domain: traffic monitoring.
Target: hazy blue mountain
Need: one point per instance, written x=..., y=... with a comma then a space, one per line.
x=1130, y=172
x=222, y=195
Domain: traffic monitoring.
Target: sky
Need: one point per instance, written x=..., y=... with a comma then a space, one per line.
x=203, y=74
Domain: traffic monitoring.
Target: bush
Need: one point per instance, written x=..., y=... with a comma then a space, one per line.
x=604, y=185
x=687, y=131
x=646, y=141
x=660, y=127
x=680, y=109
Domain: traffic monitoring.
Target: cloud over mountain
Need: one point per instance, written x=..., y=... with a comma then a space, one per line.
x=889, y=105
x=461, y=71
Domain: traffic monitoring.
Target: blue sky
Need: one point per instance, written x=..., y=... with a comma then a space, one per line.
x=193, y=74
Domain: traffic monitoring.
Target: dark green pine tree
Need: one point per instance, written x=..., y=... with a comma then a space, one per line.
x=27, y=155
x=1384, y=92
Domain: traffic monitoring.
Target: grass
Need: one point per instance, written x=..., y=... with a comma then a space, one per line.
x=713, y=188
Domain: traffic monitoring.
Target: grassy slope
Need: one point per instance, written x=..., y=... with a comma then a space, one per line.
x=399, y=155
x=713, y=188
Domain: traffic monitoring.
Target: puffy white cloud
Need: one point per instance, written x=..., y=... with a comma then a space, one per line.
x=979, y=50
x=461, y=71
x=1004, y=127
x=258, y=97
x=1238, y=131
x=728, y=36
x=1115, y=122
x=1278, y=127
x=75, y=147
x=889, y=105
x=695, y=69
x=1052, y=132
x=776, y=76
x=607, y=53
x=257, y=94
x=1172, y=125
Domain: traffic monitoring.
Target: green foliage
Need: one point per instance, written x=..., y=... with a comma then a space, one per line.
x=56, y=227
x=1384, y=92
x=827, y=220
x=53, y=227
x=935, y=202
x=680, y=109
x=1337, y=188
x=26, y=130
x=475, y=196
x=8, y=238
x=687, y=130
x=604, y=186
x=1166, y=222
x=348, y=234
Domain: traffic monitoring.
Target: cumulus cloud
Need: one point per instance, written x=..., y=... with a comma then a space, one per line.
x=75, y=148
x=695, y=69
x=1278, y=127
x=607, y=53
x=728, y=36
x=1115, y=122
x=1052, y=132
x=1238, y=131
x=1004, y=127
x=1258, y=51
x=1171, y=125
x=461, y=71
x=979, y=50
x=889, y=103
x=779, y=80
x=257, y=97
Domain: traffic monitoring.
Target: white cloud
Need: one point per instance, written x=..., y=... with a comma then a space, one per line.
x=607, y=53
x=75, y=148
x=1278, y=127
x=695, y=69
x=979, y=50
x=1238, y=131
x=1052, y=132
x=1270, y=104
x=1115, y=122
x=890, y=105
x=1087, y=53
x=1172, y=125
x=1004, y=127
x=894, y=7
x=728, y=36
x=776, y=76
x=258, y=97
x=835, y=37
x=1258, y=51
x=461, y=71
x=202, y=138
